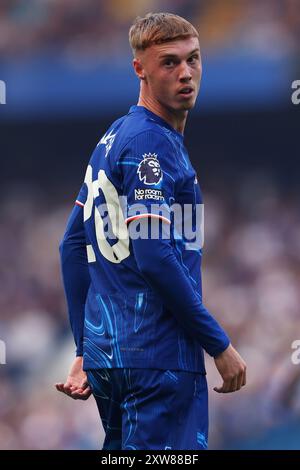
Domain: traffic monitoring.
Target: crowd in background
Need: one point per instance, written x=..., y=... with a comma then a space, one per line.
x=251, y=284
x=96, y=28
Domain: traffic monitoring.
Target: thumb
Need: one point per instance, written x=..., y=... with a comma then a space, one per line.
x=84, y=384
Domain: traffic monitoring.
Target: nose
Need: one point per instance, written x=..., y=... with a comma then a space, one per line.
x=185, y=72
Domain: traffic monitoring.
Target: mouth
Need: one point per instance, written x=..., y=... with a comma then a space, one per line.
x=186, y=91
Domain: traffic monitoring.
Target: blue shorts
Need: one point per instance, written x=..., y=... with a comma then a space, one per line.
x=151, y=409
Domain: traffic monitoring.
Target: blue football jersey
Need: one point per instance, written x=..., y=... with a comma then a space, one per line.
x=140, y=168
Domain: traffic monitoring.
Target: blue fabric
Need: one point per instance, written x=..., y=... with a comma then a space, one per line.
x=144, y=303
x=151, y=409
x=158, y=264
x=75, y=273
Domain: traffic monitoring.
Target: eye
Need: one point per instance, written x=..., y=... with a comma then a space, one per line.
x=193, y=59
x=169, y=63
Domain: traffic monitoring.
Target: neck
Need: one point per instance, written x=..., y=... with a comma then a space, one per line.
x=176, y=120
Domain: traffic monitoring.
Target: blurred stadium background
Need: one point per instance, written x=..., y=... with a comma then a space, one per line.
x=66, y=64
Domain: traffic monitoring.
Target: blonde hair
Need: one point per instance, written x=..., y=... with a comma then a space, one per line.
x=157, y=28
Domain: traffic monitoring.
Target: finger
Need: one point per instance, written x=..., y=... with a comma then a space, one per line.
x=87, y=392
x=221, y=389
x=84, y=385
x=240, y=381
x=63, y=389
x=83, y=390
x=67, y=389
x=244, y=378
x=74, y=393
x=81, y=394
x=225, y=388
x=233, y=385
x=59, y=387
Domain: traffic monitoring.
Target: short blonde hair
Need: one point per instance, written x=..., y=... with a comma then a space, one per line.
x=157, y=28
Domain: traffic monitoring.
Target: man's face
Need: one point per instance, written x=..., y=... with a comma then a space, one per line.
x=172, y=73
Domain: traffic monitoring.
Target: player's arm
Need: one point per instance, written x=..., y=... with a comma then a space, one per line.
x=75, y=273
x=160, y=267
x=76, y=280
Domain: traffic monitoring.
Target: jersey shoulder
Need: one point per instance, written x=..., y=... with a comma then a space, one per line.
x=133, y=137
x=137, y=129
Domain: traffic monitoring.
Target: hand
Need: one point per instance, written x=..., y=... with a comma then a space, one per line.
x=232, y=369
x=76, y=385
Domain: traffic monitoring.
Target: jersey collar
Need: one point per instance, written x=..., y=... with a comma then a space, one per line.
x=155, y=117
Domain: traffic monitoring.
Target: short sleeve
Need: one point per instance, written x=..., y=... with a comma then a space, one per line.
x=148, y=167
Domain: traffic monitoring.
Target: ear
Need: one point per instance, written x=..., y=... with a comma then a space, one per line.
x=138, y=68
